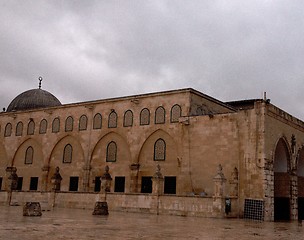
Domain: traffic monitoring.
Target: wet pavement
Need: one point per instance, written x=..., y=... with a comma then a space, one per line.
x=81, y=224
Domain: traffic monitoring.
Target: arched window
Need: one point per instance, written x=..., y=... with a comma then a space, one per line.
x=69, y=124
x=67, y=153
x=176, y=112
x=111, y=152
x=160, y=115
x=160, y=150
x=8, y=130
x=56, y=125
x=29, y=154
x=112, y=120
x=128, y=119
x=31, y=128
x=145, y=117
x=83, y=123
x=19, y=129
x=97, y=121
x=43, y=126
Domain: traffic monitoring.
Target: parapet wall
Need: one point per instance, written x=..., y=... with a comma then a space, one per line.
x=142, y=203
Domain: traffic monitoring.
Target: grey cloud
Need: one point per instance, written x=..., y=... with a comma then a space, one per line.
x=88, y=50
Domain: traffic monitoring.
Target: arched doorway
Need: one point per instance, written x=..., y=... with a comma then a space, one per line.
x=281, y=182
x=300, y=173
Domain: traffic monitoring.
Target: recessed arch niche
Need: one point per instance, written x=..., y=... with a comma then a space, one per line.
x=281, y=165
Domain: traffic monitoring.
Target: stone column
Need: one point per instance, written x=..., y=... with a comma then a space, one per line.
x=12, y=178
x=293, y=197
x=219, y=191
x=44, y=180
x=293, y=181
x=134, y=167
x=269, y=191
x=86, y=178
x=12, y=182
x=158, y=182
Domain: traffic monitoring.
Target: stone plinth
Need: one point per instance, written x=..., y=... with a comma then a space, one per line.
x=32, y=209
x=101, y=208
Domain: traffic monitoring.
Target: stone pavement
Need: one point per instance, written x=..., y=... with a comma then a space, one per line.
x=81, y=224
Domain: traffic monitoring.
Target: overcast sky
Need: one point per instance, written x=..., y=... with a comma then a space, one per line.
x=88, y=50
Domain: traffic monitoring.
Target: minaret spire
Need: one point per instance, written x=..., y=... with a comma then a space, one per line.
x=40, y=80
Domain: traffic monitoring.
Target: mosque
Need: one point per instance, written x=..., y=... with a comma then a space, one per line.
x=174, y=152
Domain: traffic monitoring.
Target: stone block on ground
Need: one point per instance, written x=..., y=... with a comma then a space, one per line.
x=32, y=209
x=101, y=208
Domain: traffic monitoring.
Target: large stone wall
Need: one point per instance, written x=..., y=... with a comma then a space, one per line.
x=207, y=134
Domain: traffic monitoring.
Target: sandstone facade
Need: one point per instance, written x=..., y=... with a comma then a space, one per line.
x=249, y=152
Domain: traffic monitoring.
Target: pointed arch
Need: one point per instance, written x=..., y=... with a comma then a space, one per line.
x=160, y=115
x=67, y=154
x=20, y=154
x=72, y=169
x=281, y=168
x=19, y=129
x=282, y=156
x=56, y=125
x=144, y=116
x=29, y=155
x=58, y=149
x=176, y=112
x=160, y=150
x=99, y=150
x=69, y=123
x=112, y=121
x=146, y=152
x=8, y=130
x=97, y=121
x=111, y=141
x=31, y=127
x=28, y=159
x=83, y=122
x=43, y=126
x=111, y=155
x=128, y=119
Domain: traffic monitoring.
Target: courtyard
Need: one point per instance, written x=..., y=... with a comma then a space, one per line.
x=63, y=223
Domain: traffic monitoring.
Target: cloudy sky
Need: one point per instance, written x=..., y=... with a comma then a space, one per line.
x=88, y=50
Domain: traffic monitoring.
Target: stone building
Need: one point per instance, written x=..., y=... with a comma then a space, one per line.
x=246, y=155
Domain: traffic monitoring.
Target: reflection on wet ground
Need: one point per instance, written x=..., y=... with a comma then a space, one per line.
x=81, y=224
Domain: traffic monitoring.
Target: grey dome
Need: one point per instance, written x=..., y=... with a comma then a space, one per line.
x=33, y=99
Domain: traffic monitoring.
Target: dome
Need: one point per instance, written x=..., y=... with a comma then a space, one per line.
x=33, y=99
